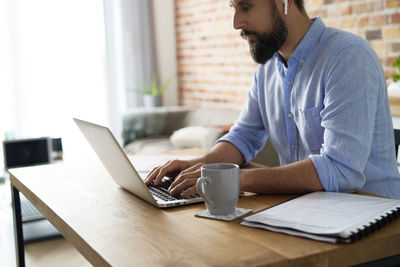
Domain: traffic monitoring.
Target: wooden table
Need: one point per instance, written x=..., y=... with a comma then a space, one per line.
x=110, y=226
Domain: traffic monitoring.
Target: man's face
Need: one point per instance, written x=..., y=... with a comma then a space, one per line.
x=262, y=25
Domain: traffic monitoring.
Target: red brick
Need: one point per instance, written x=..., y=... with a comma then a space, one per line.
x=331, y=23
x=389, y=61
x=318, y=13
x=347, y=22
x=392, y=32
x=381, y=48
x=363, y=21
x=395, y=18
x=392, y=3
x=362, y=8
x=395, y=47
x=346, y=10
x=315, y=2
x=332, y=11
x=379, y=20
x=379, y=5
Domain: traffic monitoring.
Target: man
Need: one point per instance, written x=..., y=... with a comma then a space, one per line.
x=320, y=97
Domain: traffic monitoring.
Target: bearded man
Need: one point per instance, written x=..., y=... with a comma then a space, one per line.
x=319, y=95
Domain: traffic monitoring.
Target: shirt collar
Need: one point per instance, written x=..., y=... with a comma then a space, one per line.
x=308, y=43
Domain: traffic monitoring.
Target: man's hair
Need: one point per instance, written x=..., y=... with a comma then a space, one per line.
x=300, y=4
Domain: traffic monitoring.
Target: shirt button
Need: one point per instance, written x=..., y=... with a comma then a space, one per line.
x=289, y=82
x=302, y=61
x=290, y=115
x=293, y=146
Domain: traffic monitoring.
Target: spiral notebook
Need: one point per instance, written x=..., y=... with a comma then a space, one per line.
x=327, y=216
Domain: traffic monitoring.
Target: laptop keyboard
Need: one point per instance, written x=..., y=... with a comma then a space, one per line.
x=161, y=191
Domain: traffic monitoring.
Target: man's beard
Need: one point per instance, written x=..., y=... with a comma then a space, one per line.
x=267, y=44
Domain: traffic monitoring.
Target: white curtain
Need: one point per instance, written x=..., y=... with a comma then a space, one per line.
x=138, y=47
x=54, y=69
x=62, y=59
x=130, y=54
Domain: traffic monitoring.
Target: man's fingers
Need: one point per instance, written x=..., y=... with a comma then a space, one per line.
x=186, y=179
x=185, y=184
x=190, y=191
x=152, y=174
x=182, y=177
x=170, y=168
x=158, y=172
x=193, y=168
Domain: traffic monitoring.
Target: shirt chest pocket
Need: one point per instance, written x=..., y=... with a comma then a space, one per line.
x=310, y=130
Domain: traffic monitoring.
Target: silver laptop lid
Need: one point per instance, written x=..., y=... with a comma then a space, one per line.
x=115, y=160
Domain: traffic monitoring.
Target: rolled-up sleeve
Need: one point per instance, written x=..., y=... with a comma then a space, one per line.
x=352, y=90
x=248, y=133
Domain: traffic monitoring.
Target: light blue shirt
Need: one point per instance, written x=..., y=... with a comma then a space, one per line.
x=331, y=105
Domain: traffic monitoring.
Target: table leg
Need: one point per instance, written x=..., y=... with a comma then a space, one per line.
x=18, y=235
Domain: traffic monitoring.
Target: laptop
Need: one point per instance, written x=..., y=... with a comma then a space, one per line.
x=124, y=173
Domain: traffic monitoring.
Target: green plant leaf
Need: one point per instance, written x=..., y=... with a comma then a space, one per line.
x=396, y=76
x=154, y=89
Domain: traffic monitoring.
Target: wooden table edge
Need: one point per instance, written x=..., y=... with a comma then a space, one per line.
x=68, y=233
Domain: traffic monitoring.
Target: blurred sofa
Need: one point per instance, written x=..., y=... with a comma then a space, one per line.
x=154, y=130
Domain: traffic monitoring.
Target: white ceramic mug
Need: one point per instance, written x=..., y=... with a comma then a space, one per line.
x=219, y=187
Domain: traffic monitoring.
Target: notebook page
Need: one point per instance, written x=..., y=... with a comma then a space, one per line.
x=324, y=212
x=291, y=232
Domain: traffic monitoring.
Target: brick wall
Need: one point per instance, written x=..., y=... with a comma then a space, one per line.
x=214, y=64
x=377, y=21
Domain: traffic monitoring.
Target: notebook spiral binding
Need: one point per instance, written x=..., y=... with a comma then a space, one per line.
x=373, y=226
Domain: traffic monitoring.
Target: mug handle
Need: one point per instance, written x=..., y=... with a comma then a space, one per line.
x=201, y=182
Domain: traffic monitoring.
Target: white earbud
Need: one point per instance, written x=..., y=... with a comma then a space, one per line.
x=286, y=4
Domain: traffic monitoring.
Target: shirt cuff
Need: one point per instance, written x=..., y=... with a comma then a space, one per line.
x=326, y=173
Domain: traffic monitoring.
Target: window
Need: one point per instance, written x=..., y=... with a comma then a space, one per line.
x=52, y=68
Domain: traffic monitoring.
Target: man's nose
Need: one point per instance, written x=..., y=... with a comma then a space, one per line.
x=238, y=22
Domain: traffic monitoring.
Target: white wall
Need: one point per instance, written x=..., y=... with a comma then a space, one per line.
x=165, y=46
x=52, y=68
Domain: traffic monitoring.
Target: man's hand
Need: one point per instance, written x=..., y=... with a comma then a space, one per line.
x=185, y=183
x=170, y=169
x=185, y=173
